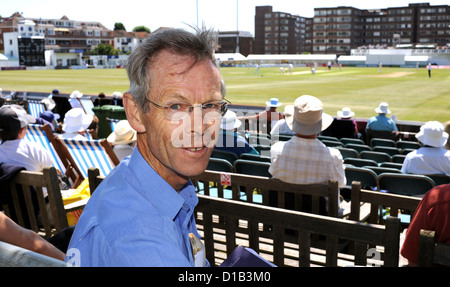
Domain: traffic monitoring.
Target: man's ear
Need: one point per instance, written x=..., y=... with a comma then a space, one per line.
x=133, y=112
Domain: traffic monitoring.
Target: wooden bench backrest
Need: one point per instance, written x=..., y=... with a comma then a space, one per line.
x=304, y=223
x=329, y=191
x=52, y=222
x=430, y=252
x=376, y=198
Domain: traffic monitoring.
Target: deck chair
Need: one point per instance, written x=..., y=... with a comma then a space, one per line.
x=377, y=156
x=405, y=184
x=28, y=187
x=62, y=161
x=431, y=253
x=91, y=153
x=34, y=107
x=87, y=104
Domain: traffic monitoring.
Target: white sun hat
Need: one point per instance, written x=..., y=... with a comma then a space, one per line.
x=432, y=134
x=76, y=120
x=229, y=121
x=345, y=113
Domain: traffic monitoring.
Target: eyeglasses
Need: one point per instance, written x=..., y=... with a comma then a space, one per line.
x=179, y=111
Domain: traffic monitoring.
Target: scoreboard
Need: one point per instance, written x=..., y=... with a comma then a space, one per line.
x=31, y=51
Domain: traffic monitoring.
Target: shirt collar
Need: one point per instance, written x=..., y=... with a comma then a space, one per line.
x=157, y=191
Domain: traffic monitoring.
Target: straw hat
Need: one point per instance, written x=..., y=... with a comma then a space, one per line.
x=308, y=117
x=345, y=113
x=76, y=94
x=432, y=134
x=123, y=134
x=229, y=121
x=273, y=103
x=76, y=120
x=383, y=108
x=49, y=103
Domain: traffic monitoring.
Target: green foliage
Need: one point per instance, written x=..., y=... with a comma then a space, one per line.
x=141, y=29
x=105, y=49
x=119, y=26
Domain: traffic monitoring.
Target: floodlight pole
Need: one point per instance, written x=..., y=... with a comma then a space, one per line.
x=237, y=26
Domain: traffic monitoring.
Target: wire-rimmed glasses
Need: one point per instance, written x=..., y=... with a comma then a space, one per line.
x=179, y=111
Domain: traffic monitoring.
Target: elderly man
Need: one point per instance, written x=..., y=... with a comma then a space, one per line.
x=143, y=212
x=304, y=159
x=432, y=158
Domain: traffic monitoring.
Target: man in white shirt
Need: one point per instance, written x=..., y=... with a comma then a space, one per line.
x=15, y=149
x=304, y=159
x=432, y=158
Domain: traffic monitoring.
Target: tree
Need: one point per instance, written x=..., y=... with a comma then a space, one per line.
x=105, y=49
x=141, y=29
x=119, y=26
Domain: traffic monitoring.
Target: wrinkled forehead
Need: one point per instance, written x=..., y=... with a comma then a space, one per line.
x=182, y=75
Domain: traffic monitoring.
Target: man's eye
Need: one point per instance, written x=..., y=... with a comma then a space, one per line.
x=175, y=106
x=209, y=106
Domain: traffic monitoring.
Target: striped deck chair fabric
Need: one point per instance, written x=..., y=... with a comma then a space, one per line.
x=91, y=153
x=112, y=123
x=88, y=105
x=35, y=108
x=35, y=133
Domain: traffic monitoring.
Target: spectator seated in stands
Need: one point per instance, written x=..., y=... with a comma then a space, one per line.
x=101, y=100
x=447, y=130
x=49, y=118
x=229, y=139
x=281, y=127
x=14, y=148
x=265, y=120
x=432, y=158
x=343, y=126
x=123, y=139
x=304, y=159
x=381, y=126
x=74, y=99
x=432, y=213
x=76, y=122
x=117, y=99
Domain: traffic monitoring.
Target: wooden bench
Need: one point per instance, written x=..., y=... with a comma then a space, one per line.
x=248, y=183
x=359, y=211
x=242, y=226
x=27, y=195
x=431, y=253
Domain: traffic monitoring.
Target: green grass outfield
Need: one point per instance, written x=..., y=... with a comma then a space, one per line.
x=410, y=93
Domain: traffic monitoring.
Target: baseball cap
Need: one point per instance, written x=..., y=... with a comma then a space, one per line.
x=14, y=117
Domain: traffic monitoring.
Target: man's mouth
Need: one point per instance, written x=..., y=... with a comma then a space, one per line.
x=195, y=149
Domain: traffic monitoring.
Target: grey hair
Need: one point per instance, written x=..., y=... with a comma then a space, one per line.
x=201, y=45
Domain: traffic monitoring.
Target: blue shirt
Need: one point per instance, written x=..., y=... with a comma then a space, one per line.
x=232, y=142
x=381, y=123
x=135, y=218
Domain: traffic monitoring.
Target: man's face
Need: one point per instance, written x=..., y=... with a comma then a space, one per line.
x=180, y=148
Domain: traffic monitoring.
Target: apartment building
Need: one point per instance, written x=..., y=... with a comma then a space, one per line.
x=280, y=32
x=338, y=30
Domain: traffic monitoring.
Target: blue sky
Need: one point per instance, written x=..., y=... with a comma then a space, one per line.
x=218, y=14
